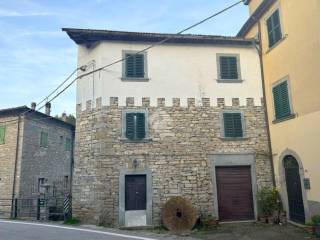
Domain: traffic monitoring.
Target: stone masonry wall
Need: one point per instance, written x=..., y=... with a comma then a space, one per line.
x=7, y=163
x=52, y=163
x=177, y=154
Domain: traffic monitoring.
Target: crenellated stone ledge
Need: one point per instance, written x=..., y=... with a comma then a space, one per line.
x=170, y=102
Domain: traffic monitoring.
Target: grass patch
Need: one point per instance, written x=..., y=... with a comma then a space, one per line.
x=71, y=221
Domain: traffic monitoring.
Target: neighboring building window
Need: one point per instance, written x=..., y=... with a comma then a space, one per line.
x=274, y=28
x=135, y=125
x=281, y=100
x=233, y=127
x=66, y=182
x=2, y=134
x=68, y=145
x=134, y=65
x=44, y=139
x=41, y=182
x=228, y=67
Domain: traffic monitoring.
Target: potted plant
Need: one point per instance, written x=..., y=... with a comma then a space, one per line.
x=268, y=202
x=316, y=222
x=209, y=221
x=310, y=228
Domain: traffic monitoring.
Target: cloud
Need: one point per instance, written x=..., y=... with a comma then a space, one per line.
x=12, y=13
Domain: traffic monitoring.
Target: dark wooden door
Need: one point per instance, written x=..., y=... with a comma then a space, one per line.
x=135, y=192
x=234, y=189
x=293, y=182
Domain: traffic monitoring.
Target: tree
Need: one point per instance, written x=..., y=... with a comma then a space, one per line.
x=68, y=118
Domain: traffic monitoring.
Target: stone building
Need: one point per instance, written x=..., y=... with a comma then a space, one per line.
x=36, y=154
x=184, y=118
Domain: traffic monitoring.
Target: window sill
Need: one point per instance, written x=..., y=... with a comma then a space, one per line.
x=145, y=140
x=129, y=79
x=234, y=138
x=291, y=116
x=277, y=43
x=229, y=80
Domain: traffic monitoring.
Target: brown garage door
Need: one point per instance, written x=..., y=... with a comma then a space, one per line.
x=234, y=193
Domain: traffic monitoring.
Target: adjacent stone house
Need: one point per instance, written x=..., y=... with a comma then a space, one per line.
x=36, y=154
x=183, y=118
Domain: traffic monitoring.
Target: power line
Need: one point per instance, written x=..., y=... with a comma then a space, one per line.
x=125, y=58
x=50, y=94
x=145, y=49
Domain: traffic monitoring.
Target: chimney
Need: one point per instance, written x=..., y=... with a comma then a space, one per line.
x=48, y=108
x=64, y=117
x=33, y=106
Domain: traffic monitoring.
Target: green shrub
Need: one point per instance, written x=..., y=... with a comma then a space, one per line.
x=316, y=219
x=268, y=201
x=71, y=221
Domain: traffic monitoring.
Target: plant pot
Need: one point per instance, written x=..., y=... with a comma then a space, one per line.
x=310, y=229
x=263, y=219
x=270, y=220
x=213, y=222
x=317, y=230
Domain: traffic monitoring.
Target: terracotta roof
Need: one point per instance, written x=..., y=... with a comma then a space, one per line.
x=90, y=36
x=263, y=7
x=33, y=114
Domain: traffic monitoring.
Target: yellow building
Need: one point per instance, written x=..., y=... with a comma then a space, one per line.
x=289, y=34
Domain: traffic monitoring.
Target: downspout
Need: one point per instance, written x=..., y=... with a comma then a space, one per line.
x=265, y=101
x=15, y=168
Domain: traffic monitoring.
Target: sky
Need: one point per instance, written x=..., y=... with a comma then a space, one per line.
x=36, y=56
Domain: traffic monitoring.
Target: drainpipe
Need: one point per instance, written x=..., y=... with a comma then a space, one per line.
x=265, y=101
x=15, y=167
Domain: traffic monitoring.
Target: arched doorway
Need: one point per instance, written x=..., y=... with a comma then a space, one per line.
x=294, y=190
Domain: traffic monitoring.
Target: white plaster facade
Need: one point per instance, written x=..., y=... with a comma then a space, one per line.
x=174, y=71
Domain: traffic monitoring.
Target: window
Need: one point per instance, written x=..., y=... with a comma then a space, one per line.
x=41, y=182
x=232, y=123
x=135, y=125
x=66, y=182
x=2, y=134
x=134, y=66
x=44, y=139
x=228, y=67
x=281, y=100
x=68, y=144
x=274, y=28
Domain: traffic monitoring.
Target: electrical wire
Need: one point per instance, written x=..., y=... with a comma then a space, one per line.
x=125, y=58
x=145, y=49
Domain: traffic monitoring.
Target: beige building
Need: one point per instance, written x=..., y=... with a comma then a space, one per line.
x=289, y=34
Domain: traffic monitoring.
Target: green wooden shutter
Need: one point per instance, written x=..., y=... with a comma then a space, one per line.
x=68, y=144
x=130, y=128
x=281, y=100
x=129, y=65
x=232, y=125
x=139, y=65
x=228, y=67
x=274, y=28
x=140, y=126
x=44, y=139
x=134, y=65
x=2, y=134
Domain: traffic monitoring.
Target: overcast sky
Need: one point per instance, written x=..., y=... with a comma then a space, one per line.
x=35, y=55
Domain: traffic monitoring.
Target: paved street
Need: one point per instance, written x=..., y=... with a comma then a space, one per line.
x=14, y=230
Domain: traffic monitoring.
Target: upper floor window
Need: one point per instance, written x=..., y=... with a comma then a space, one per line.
x=135, y=126
x=134, y=66
x=68, y=144
x=233, y=125
x=2, y=134
x=281, y=100
x=274, y=28
x=228, y=67
x=44, y=139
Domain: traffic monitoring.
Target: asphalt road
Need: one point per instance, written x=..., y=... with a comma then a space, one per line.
x=15, y=230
